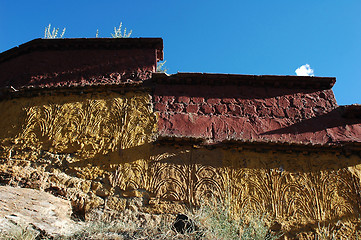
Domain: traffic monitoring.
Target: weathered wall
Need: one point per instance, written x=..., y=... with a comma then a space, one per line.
x=297, y=188
x=79, y=62
x=103, y=146
x=252, y=113
x=93, y=128
x=87, y=119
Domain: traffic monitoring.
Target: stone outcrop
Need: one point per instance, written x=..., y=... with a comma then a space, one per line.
x=41, y=210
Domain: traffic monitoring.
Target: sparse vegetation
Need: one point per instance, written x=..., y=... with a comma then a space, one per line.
x=118, y=32
x=129, y=228
x=213, y=221
x=54, y=33
x=19, y=232
x=217, y=221
x=161, y=68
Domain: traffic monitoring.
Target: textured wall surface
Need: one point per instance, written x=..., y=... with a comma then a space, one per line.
x=89, y=120
x=298, y=189
x=54, y=68
x=79, y=62
x=103, y=143
x=253, y=113
x=92, y=128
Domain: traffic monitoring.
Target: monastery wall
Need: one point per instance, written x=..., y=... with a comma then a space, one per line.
x=288, y=151
x=102, y=150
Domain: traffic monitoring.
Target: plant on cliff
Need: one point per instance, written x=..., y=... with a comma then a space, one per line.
x=161, y=68
x=118, y=32
x=54, y=33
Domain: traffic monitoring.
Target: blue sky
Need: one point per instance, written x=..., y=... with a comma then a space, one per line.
x=242, y=37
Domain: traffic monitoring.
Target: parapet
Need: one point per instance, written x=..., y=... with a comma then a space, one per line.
x=213, y=108
x=250, y=108
x=79, y=62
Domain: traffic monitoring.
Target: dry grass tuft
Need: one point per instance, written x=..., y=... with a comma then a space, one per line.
x=213, y=220
x=19, y=232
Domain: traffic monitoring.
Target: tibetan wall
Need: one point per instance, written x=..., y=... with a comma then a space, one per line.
x=104, y=147
x=175, y=141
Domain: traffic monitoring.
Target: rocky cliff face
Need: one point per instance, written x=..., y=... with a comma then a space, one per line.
x=41, y=210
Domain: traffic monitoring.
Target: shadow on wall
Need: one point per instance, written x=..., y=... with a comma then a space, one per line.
x=230, y=91
x=84, y=126
x=293, y=186
x=111, y=137
x=326, y=121
x=252, y=157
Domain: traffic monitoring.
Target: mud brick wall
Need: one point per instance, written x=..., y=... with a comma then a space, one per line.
x=79, y=62
x=252, y=113
x=93, y=123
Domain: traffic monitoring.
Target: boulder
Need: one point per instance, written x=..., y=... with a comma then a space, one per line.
x=41, y=210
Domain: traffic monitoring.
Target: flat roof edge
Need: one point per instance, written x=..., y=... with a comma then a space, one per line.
x=280, y=81
x=41, y=44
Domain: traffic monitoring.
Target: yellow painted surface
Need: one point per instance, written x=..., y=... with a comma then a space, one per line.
x=92, y=128
x=312, y=187
x=109, y=136
x=297, y=190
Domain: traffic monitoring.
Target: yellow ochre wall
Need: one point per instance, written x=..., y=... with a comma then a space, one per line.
x=93, y=128
x=108, y=140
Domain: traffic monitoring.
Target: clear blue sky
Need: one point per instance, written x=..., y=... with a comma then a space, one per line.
x=242, y=37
